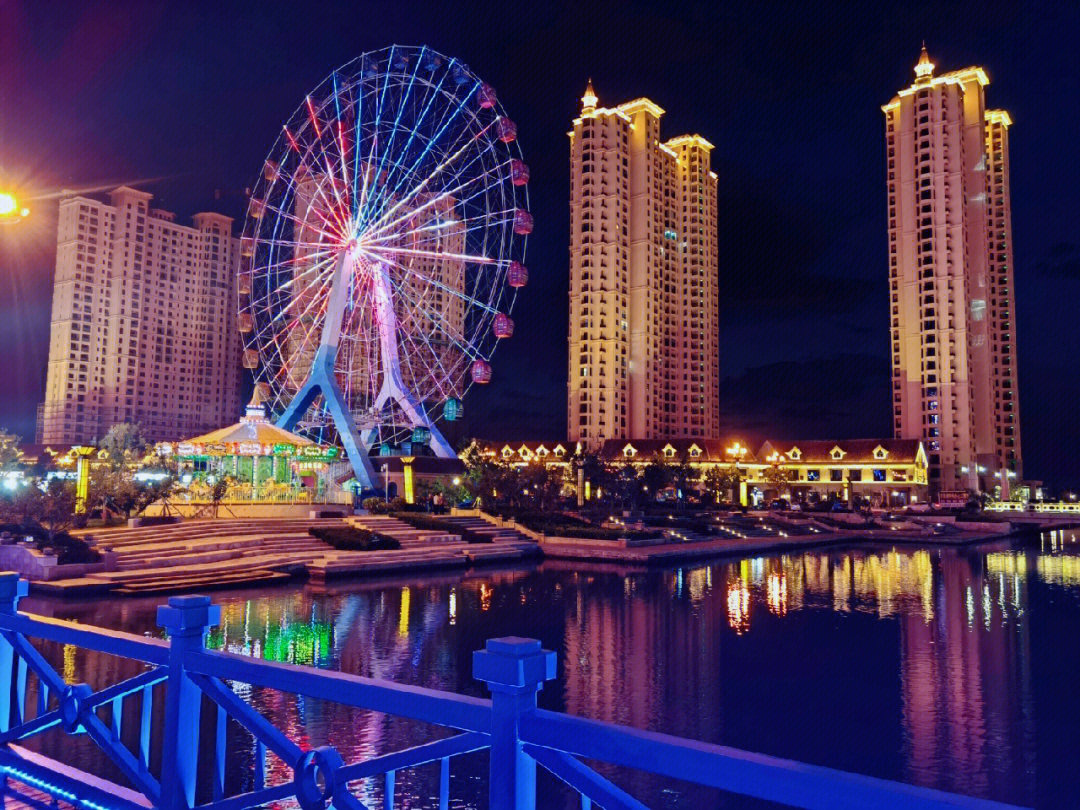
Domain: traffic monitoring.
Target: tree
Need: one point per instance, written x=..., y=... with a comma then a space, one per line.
x=112, y=490
x=656, y=476
x=626, y=486
x=486, y=479
x=776, y=477
x=599, y=476
x=721, y=480
x=51, y=508
x=10, y=454
x=682, y=475
x=218, y=490
x=124, y=444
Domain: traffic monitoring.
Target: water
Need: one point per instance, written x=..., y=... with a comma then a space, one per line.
x=954, y=669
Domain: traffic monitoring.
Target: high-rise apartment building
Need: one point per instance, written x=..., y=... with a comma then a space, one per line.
x=143, y=322
x=951, y=278
x=644, y=299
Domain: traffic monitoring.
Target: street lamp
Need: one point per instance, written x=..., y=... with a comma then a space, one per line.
x=10, y=211
x=736, y=452
x=386, y=482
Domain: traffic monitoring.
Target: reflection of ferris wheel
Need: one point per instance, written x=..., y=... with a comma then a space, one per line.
x=382, y=251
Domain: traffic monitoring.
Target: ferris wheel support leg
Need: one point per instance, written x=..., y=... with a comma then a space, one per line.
x=393, y=387
x=355, y=449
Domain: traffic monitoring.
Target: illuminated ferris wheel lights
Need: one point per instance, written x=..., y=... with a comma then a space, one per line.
x=407, y=154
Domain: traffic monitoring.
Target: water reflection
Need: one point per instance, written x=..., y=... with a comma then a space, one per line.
x=904, y=663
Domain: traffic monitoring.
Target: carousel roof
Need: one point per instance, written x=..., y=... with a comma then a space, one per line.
x=252, y=427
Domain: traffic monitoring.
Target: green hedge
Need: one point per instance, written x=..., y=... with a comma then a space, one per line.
x=420, y=520
x=351, y=538
x=560, y=525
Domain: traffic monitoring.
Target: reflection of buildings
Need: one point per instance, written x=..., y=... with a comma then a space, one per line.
x=644, y=300
x=143, y=322
x=951, y=276
x=662, y=658
x=966, y=682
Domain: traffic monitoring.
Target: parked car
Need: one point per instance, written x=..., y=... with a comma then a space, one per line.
x=839, y=506
x=779, y=505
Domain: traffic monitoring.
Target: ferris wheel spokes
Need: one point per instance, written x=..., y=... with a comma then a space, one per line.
x=383, y=253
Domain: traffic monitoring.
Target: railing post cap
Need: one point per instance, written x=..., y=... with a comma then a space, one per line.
x=512, y=662
x=12, y=587
x=186, y=614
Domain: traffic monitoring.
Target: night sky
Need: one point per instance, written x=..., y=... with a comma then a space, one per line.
x=190, y=97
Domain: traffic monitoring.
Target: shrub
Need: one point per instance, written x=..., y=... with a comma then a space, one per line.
x=561, y=525
x=380, y=506
x=352, y=538
x=68, y=549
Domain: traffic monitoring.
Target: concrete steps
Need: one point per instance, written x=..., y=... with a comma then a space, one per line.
x=121, y=538
x=400, y=530
x=497, y=533
x=204, y=554
x=170, y=584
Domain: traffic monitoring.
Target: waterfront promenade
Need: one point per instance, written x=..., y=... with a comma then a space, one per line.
x=210, y=554
x=149, y=726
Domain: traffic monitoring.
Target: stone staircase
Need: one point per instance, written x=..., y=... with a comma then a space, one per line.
x=401, y=531
x=424, y=548
x=197, y=555
x=687, y=536
x=200, y=555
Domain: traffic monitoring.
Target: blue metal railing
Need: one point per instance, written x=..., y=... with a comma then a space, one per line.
x=518, y=735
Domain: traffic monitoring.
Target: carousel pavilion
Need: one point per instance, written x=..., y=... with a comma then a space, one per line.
x=263, y=459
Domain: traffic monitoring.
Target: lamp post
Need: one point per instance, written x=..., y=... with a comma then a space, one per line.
x=386, y=482
x=82, y=475
x=736, y=452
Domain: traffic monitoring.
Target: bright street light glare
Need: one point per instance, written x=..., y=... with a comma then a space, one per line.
x=10, y=211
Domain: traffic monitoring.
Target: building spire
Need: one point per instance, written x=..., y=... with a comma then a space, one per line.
x=588, y=101
x=924, y=68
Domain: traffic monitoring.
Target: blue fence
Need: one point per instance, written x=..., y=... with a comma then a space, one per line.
x=518, y=735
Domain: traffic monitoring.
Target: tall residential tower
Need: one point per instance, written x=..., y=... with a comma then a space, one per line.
x=951, y=278
x=143, y=322
x=644, y=299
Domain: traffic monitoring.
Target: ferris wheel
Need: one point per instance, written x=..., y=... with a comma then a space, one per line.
x=382, y=253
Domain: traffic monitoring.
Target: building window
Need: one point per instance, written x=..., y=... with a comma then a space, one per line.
x=836, y=475
x=813, y=475
x=879, y=475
